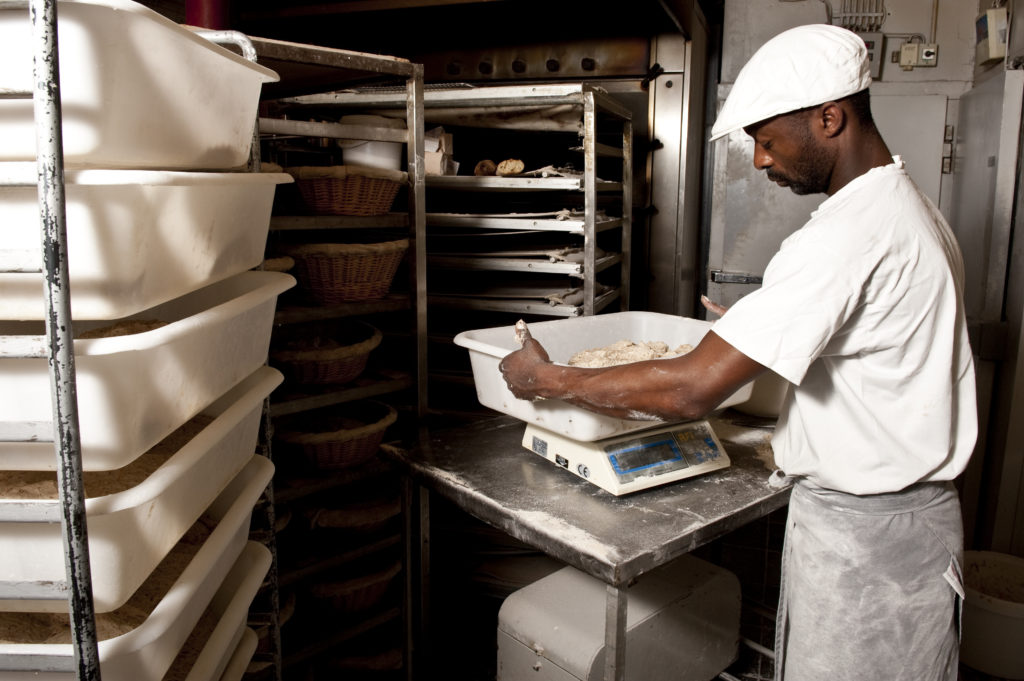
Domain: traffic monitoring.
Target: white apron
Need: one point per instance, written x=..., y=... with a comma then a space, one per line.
x=871, y=586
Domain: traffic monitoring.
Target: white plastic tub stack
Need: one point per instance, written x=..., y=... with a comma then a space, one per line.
x=241, y=657
x=221, y=632
x=137, y=90
x=164, y=227
x=136, y=389
x=146, y=652
x=131, y=531
x=136, y=238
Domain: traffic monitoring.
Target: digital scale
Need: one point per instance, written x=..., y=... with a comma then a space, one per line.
x=637, y=460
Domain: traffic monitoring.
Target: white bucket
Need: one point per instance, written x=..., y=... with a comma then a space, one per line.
x=993, y=617
x=371, y=153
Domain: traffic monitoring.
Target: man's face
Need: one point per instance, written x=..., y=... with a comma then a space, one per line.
x=785, y=148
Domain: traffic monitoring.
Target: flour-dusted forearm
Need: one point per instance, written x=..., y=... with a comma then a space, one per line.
x=680, y=388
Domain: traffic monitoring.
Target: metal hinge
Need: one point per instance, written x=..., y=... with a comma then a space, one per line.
x=720, y=277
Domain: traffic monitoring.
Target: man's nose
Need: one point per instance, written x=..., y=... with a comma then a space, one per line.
x=762, y=159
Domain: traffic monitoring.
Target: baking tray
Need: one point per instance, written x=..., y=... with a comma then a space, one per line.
x=136, y=389
x=131, y=531
x=136, y=238
x=146, y=652
x=562, y=338
x=137, y=90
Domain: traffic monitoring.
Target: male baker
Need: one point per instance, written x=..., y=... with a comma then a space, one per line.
x=861, y=311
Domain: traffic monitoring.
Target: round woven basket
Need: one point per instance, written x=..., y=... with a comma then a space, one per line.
x=356, y=518
x=345, y=436
x=358, y=593
x=331, y=354
x=336, y=273
x=347, y=190
x=279, y=264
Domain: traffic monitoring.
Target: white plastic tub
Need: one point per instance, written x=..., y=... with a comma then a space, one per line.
x=136, y=238
x=562, y=338
x=138, y=90
x=238, y=664
x=207, y=658
x=135, y=390
x=131, y=531
x=372, y=153
x=993, y=618
x=146, y=652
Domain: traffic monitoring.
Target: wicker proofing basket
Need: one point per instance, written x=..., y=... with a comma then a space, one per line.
x=356, y=518
x=328, y=358
x=348, y=190
x=349, y=437
x=338, y=273
x=359, y=593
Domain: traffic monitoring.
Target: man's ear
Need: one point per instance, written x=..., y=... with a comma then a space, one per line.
x=831, y=118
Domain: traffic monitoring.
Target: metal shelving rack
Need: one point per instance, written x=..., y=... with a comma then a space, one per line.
x=571, y=107
x=57, y=347
x=307, y=68
x=311, y=68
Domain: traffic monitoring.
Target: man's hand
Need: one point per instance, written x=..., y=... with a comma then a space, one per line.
x=520, y=368
x=712, y=307
x=680, y=388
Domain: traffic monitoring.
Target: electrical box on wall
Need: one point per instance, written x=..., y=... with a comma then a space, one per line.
x=990, y=33
x=918, y=54
x=928, y=54
x=875, y=42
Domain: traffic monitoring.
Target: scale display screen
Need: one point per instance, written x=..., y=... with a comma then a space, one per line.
x=661, y=453
x=632, y=462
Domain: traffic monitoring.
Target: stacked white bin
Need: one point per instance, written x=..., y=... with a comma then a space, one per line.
x=163, y=224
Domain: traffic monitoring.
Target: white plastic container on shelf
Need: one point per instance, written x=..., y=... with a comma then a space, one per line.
x=562, y=338
x=146, y=652
x=238, y=664
x=372, y=153
x=136, y=238
x=131, y=531
x=230, y=607
x=136, y=389
x=138, y=90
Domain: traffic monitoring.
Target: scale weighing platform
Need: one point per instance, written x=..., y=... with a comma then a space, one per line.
x=635, y=461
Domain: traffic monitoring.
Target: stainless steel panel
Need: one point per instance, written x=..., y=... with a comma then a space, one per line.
x=751, y=216
x=1015, y=34
x=677, y=122
x=984, y=183
x=913, y=127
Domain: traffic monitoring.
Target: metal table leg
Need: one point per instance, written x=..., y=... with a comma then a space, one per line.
x=615, y=634
x=425, y=658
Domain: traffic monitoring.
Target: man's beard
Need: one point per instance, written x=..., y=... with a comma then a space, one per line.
x=805, y=179
x=810, y=175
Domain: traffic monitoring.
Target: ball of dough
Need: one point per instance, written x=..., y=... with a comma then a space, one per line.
x=511, y=166
x=485, y=167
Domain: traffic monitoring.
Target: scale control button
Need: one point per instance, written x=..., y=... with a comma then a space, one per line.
x=561, y=461
x=583, y=470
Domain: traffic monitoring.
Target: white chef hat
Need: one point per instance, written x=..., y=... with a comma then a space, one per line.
x=804, y=66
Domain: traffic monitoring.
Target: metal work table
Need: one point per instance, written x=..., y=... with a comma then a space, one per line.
x=484, y=470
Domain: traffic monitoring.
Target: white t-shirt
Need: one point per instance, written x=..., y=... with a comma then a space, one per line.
x=861, y=309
